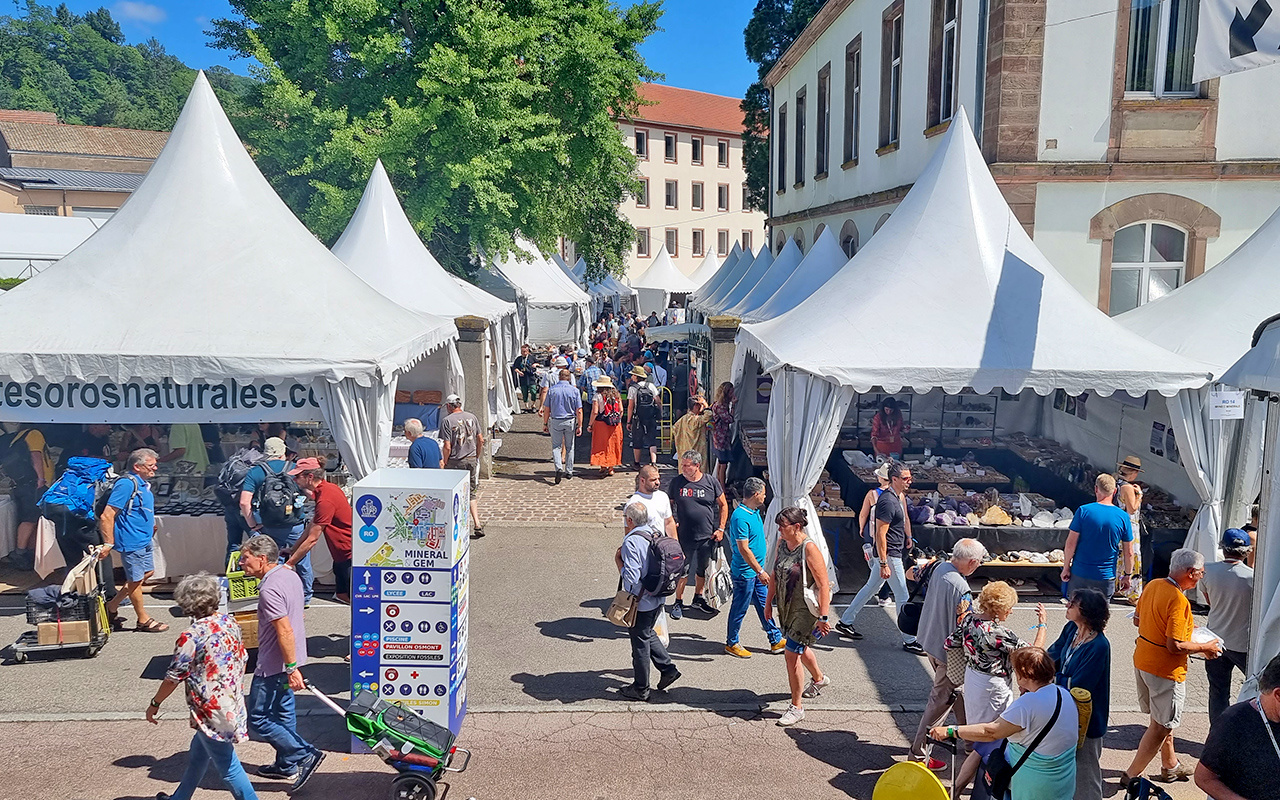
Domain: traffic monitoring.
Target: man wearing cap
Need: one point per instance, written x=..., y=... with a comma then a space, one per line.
x=1128, y=498
x=461, y=442
x=690, y=431
x=562, y=413
x=643, y=415
x=332, y=519
x=1100, y=535
x=1228, y=591
x=285, y=536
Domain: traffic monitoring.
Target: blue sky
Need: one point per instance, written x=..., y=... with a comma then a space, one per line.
x=700, y=46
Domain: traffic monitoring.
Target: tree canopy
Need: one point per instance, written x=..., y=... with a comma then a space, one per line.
x=492, y=117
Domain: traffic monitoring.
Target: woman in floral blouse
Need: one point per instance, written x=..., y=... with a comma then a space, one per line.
x=987, y=643
x=721, y=429
x=209, y=659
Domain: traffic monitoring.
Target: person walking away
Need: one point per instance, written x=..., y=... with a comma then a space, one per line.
x=1128, y=498
x=750, y=581
x=690, y=431
x=1043, y=720
x=887, y=427
x=701, y=513
x=424, y=452
x=633, y=558
x=128, y=526
x=563, y=413
x=590, y=375
x=546, y=379
x=24, y=459
x=722, y=430
x=1228, y=590
x=606, y=427
x=525, y=371
x=332, y=520
x=643, y=415
x=893, y=539
x=282, y=652
x=988, y=643
x=1082, y=656
x=1160, y=663
x=798, y=568
x=946, y=601
x=461, y=443
x=1100, y=534
x=271, y=504
x=208, y=661
x=1242, y=754
x=657, y=501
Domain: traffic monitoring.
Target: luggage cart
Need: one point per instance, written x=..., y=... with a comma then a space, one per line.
x=419, y=750
x=91, y=608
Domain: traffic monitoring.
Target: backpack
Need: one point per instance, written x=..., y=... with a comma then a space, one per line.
x=909, y=614
x=76, y=492
x=612, y=414
x=231, y=477
x=647, y=401
x=666, y=564
x=277, y=498
x=108, y=484
x=15, y=458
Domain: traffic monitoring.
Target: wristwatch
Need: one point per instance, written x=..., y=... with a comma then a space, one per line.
x=824, y=618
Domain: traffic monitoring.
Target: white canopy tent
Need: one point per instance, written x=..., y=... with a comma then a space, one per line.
x=822, y=261
x=708, y=268
x=747, y=276
x=202, y=234
x=557, y=310
x=381, y=246
x=621, y=296
x=752, y=297
x=661, y=280
x=731, y=261
x=997, y=315
x=31, y=242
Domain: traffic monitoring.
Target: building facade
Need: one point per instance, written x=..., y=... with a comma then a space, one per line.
x=689, y=148
x=1130, y=178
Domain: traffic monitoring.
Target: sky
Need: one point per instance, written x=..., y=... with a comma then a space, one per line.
x=700, y=46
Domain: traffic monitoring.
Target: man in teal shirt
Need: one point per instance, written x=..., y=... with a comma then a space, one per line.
x=750, y=581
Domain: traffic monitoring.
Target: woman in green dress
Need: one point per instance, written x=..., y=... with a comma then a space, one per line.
x=799, y=565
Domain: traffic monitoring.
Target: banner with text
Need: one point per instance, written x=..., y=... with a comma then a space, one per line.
x=163, y=402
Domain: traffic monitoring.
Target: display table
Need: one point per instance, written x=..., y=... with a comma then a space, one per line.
x=8, y=526
x=974, y=477
x=996, y=538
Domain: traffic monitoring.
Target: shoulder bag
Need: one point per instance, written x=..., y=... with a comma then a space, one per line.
x=909, y=614
x=998, y=774
x=622, y=611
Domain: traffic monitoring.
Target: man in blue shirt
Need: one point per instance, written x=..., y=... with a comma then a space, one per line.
x=633, y=564
x=562, y=415
x=590, y=375
x=750, y=581
x=285, y=536
x=1100, y=534
x=424, y=453
x=128, y=525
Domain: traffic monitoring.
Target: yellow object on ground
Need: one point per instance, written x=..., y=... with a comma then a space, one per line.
x=909, y=780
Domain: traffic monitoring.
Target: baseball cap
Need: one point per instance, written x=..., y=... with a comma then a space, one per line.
x=560, y=361
x=453, y=400
x=305, y=465
x=1235, y=539
x=273, y=448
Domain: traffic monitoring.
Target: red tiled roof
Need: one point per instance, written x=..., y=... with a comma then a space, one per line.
x=689, y=109
x=86, y=140
x=16, y=115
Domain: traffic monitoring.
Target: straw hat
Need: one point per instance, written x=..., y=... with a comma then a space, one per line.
x=638, y=372
x=1131, y=462
x=882, y=471
x=603, y=382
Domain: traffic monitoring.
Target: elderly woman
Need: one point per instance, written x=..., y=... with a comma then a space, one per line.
x=799, y=566
x=1083, y=659
x=988, y=644
x=209, y=659
x=1049, y=772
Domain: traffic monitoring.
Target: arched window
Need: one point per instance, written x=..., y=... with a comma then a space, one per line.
x=822, y=226
x=799, y=237
x=782, y=242
x=880, y=222
x=1148, y=260
x=849, y=238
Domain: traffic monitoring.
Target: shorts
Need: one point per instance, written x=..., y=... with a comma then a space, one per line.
x=472, y=466
x=1162, y=698
x=26, y=502
x=342, y=577
x=137, y=563
x=724, y=456
x=645, y=434
x=794, y=647
x=697, y=556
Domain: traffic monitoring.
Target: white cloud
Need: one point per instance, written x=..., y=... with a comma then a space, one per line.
x=140, y=12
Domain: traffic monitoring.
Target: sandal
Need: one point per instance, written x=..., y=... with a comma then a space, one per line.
x=153, y=626
x=117, y=623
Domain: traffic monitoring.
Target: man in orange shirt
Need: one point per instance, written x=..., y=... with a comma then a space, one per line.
x=1160, y=663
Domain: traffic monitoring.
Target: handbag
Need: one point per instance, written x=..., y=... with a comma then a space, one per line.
x=810, y=594
x=622, y=611
x=998, y=774
x=909, y=614
x=719, y=591
x=957, y=660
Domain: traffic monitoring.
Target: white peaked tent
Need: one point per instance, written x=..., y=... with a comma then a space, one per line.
x=770, y=281
x=31, y=242
x=822, y=261
x=1000, y=316
x=557, y=311
x=661, y=280
x=708, y=268
x=620, y=295
x=731, y=261
x=381, y=246
x=747, y=275
x=201, y=234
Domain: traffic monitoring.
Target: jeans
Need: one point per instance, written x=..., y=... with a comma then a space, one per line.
x=749, y=592
x=1107, y=587
x=646, y=647
x=223, y=755
x=272, y=719
x=237, y=530
x=897, y=580
x=1219, y=672
x=288, y=537
x=562, y=433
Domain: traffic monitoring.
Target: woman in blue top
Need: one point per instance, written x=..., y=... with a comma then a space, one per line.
x=1082, y=655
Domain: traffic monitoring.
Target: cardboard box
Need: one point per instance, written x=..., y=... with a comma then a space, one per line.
x=248, y=622
x=63, y=632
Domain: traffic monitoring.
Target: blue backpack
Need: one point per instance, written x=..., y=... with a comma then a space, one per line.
x=80, y=491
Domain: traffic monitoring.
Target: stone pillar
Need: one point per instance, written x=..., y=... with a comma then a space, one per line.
x=473, y=350
x=724, y=330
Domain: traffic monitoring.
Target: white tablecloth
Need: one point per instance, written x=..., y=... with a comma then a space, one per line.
x=8, y=526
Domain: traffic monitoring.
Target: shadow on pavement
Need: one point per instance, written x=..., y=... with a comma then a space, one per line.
x=861, y=762
x=576, y=687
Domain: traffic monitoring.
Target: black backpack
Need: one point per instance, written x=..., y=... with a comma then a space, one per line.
x=666, y=564
x=646, y=402
x=909, y=614
x=15, y=458
x=277, y=498
x=231, y=477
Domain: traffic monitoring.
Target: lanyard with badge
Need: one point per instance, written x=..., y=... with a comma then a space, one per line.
x=1266, y=725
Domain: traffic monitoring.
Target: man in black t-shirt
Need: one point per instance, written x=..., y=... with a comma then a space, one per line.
x=1242, y=754
x=700, y=510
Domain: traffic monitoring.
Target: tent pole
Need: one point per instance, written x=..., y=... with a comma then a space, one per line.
x=1261, y=598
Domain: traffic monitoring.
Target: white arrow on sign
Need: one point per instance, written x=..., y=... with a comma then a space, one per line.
x=366, y=611
x=366, y=674
x=367, y=576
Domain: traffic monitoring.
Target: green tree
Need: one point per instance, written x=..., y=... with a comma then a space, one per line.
x=774, y=25
x=492, y=116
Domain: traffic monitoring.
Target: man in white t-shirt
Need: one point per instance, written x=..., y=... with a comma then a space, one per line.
x=651, y=497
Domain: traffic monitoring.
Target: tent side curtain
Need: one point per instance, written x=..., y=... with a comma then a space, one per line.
x=1203, y=443
x=360, y=419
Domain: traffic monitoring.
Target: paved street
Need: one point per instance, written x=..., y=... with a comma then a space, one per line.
x=544, y=670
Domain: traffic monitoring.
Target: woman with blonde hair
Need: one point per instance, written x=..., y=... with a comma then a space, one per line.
x=606, y=427
x=987, y=643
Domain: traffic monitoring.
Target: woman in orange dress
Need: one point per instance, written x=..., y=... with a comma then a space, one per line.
x=606, y=427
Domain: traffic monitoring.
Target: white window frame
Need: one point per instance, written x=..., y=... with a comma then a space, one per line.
x=722, y=190
x=674, y=158
x=1145, y=267
x=949, y=69
x=722, y=242
x=722, y=144
x=636, y=141
x=1161, y=62
x=642, y=242
x=697, y=150
x=746, y=240
x=642, y=199
x=672, y=240
x=896, y=46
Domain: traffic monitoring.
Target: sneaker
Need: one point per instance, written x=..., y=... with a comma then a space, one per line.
x=814, y=688
x=633, y=692
x=847, y=631
x=669, y=677
x=882, y=601
x=700, y=603
x=278, y=773
x=936, y=764
x=913, y=648
x=778, y=646
x=676, y=610
x=1180, y=772
x=737, y=650
x=559, y=477
x=791, y=717
x=307, y=767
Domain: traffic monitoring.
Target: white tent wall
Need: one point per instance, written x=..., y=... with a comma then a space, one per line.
x=652, y=300
x=360, y=419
